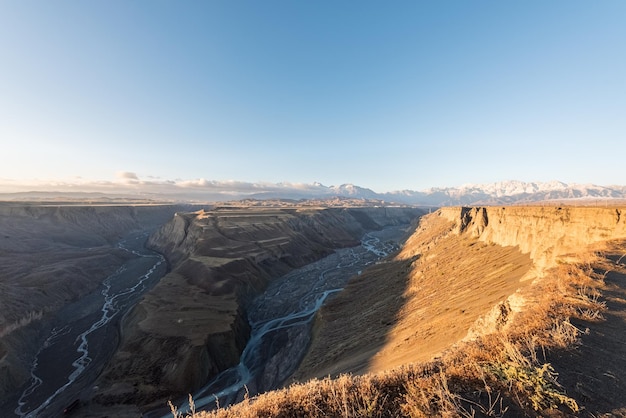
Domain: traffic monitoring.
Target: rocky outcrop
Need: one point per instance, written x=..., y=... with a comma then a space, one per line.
x=193, y=324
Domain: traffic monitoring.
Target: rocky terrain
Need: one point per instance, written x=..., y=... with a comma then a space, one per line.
x=464, y=274
x=193, y=323
x=51, y=256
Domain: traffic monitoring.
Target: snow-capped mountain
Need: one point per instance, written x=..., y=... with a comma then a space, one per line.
x=506, y=192
x=350, y=190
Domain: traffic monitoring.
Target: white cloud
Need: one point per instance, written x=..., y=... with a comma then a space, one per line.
x=127, y=175
x=128, y=183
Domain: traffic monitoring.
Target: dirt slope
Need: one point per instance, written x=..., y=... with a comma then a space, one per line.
x=412, y=308
x=594, y=373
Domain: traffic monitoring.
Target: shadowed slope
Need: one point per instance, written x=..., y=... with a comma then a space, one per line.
x=594, y=372
x=50, y=257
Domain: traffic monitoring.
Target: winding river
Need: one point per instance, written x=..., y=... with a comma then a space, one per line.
x=83, y=339
x=281, y=318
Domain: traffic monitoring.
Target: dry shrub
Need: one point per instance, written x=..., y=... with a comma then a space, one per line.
x=530, y=381
x=535, y=384
x=432, y=397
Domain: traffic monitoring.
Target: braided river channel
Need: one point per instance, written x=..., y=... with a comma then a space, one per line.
x=281, y=320
x=84, y=334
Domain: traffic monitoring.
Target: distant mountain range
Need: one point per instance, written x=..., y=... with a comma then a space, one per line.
x=505, y=192
x=509, y=192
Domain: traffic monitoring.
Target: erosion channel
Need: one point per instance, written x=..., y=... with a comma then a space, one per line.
x=68, y=273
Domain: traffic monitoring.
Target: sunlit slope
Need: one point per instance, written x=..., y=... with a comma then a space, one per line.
x=458, y=275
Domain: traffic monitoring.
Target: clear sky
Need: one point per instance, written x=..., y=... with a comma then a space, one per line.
x=385, y=95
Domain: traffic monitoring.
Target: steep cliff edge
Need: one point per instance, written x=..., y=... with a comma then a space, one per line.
x=193, y=324
x=545, y=233
x=460, y=274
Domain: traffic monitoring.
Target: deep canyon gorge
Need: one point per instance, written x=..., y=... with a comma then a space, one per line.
x=190, y=326
x=147, y=304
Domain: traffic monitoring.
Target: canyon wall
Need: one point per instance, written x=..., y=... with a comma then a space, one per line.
x=193, y=323
x=545, y=233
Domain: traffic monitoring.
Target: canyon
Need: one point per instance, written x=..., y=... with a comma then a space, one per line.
x=60, y=260
x=461, y=274
x=54, y=260
x=193, y=324
x=485, y=311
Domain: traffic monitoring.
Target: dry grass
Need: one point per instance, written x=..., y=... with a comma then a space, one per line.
x=499, y=374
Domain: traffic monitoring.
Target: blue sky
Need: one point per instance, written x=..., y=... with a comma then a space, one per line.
x=386, y=95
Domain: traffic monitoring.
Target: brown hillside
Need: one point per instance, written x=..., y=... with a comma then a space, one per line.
x=414, y=307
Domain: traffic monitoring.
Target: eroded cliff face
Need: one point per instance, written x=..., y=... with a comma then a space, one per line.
x=545, y=233
x=193, y=323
